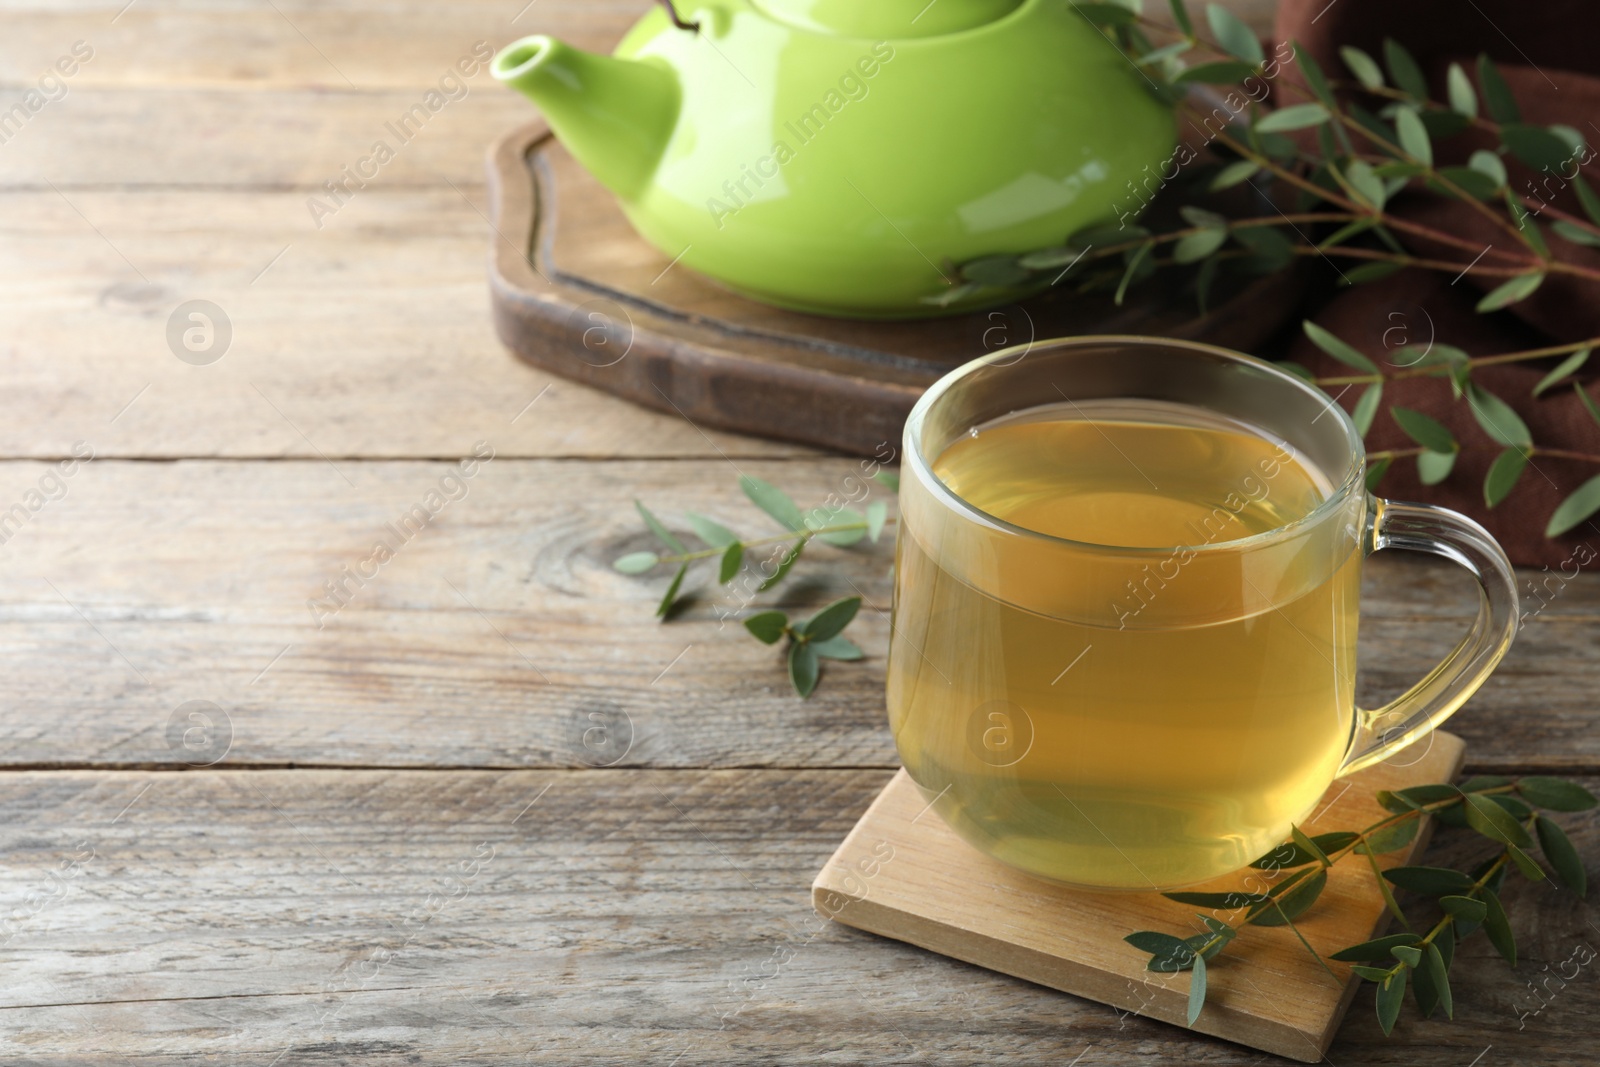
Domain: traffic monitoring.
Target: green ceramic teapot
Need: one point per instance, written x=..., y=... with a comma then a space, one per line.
x=838, y=156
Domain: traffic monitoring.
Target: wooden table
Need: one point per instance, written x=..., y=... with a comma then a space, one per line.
x=406, y=849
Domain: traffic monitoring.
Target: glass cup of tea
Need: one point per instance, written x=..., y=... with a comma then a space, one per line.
x=1126, y=593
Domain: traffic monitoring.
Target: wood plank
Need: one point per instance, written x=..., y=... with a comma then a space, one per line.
x=370, y=336
x=499, y=634
x=399, y=917
x=907, y=876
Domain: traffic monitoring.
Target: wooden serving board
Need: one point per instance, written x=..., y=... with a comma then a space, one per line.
x=904, y=874
x=576, y=292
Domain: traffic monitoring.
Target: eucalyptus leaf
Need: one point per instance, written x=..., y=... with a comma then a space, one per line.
x=1269, y=249
x=1197, y=989
x=1498, y=927
x=839, y=647
x=712, y=533
x=1435, y=467
x=998, y=272
x=767, y=626
x=1489, y=165
x=1588, y=198
x=1429, y=881
x=1369, y=272
x=1493, y=822
x=1503, y=474
x=1404, y=70
x=1425, y=430
x=1526, y=864
x=1497, y=98
x=1128, y=275
x=821, y=519
x=1410, y=955
x=1376, y=949
x=1588, y=401
x=1513, y=290
x=669, y=599
x=1226, y=901
x=1366, y=408
x=1536, y=146
x=774, y=501
x=732, y=559
x=1463, y=98
x=1157, y=944
x=1223, y=72
x=1191, y=248
x=803, y=668
x=1337, y=348
x=877, y=514
x=1371, y=974
x=786, y=561
x=888, y=479
x=1369, y=188
x=1238, y=171
x=1440, y=977
x=1391, y=994
x=1293, y=117
x=1294, y=903
x=1237, y=39
x=1497, y=419
x=665, y=535
x=1576, y=234
x=1180, y=17
x=1474, y=183
x=1555, y=794
x=1393, y=837
x=831, y=619
x=1376, y=471
x=1562, y=369
x=1583, y=502
x=1526, y=225
x=1311, y=71
x=636, y=562
x=1414, y=136
x=1467, y=908
x=1363, y=66
x=1564, y=859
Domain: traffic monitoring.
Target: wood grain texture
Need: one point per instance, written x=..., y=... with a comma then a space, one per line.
x=903, y=873
x=382, y=917
x=499, y=634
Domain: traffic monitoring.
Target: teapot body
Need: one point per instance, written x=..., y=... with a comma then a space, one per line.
x=845, y=176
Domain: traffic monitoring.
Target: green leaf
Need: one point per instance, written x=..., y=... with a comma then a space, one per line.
x=786, y=561
x=1050, y=258
x=888, y=479
x=1513, y=290
x=1435, y=467
x=1391, y=838
x=1536, y=146
x=1497, y=418
x=1180, y=17
x=840, y=647
x=1347, y=231
x=1526, y=225
x=1498, y=927
x=1409, y=955
x=1493, y=822
x=774, y=501
x=953, y=295
x=732, y=559
x=1366, y=408
x=1227, y=901
x=1576, y=234
x=1480, y=782
x=1555, y=794
x=1298, y=370
x=1197, y=246
x=1442, y=124
x=1419, y=795
x=1377, y=949
x=1489, y=165
x=831, y=619
x=1583, y=502
x=1463, y=98
x=1588, y=198
x=1440, y=977
x=1517, y=809
x=1425, y=430
x=1316, y=81
x=1376, y=471
x=1404, y=70
x=1002, y=272
x=803, y=668
x=1199, y=216
x=1369, y=188
x=821, y=518
x=1363, y=66
x=1197, y=989
x=1293, y=117
x=1562, y=369
x=767, y=626
x=636, y=562
x=877, y=512
x=1269, y=249
x=1238, y=171
x=1474, y=183
x=1391, y=994
x=1497, y=96
x=1371, y=974
x=1526, y=864
x=1307, y=845
x=1224, y=72
x=1413, y=136
x=1336, y=348
x=671, y=595
x=1134, y=263
x=1563, y=857
x=1369, y=272
x=1468, y=908
x=712, y=533
x=665, y=535
x=1294, y=903
x=1503, y=474
x=1429, y=881
x=1158, y=944
x=1588, y=401
x=1237, y=39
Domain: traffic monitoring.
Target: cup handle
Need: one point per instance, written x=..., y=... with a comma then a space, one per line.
x=1384, y=731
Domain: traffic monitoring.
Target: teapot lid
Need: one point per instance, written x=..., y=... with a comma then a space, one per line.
x=887, y=19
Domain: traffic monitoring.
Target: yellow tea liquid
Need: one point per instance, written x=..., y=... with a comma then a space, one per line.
x=1157, y=740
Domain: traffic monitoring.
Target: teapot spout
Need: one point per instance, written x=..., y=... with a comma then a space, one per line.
x=614, y=115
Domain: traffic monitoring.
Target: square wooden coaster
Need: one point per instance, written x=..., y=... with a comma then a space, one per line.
x=904, y=874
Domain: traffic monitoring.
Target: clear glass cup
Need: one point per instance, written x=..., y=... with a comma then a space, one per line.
x=1146, y=718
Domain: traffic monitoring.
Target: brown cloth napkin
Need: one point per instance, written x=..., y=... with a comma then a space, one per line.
x=1547, y=53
